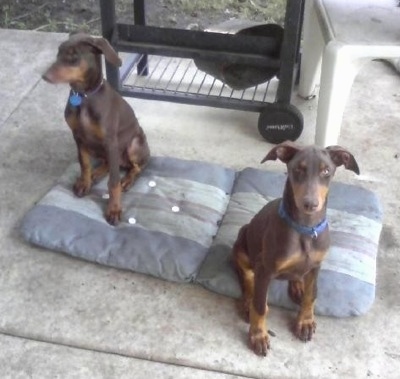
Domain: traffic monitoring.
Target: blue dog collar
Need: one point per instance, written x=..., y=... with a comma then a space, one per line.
x=75, y=98
x=312, y=231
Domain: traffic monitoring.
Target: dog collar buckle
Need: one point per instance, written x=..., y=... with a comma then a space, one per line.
x=314, y=234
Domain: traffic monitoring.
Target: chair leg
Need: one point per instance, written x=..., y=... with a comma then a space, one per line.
x=339, y=68
x=311, y=57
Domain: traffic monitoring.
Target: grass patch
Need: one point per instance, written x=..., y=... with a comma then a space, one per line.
x=84, y=15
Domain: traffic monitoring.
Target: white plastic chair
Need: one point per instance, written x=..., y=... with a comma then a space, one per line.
x=339, y=37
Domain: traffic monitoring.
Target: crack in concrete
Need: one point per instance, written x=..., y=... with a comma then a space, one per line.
x=20, y=102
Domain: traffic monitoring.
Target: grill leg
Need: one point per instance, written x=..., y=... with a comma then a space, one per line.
x=140, y=19
x=290, y=49
x=108, y=23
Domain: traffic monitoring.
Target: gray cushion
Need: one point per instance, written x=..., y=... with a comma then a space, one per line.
x=162, y=243
x=194, y=244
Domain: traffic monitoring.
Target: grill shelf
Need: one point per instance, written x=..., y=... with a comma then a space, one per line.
x=179, y=80
x=158, y=65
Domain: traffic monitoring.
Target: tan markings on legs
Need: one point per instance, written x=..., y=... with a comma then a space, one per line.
x=296, y=290
x=84, y=182
x=258, y=335
x=99, y=172
x=113, y=213
x=246, y=279
x=305, y=323
x=130, y=176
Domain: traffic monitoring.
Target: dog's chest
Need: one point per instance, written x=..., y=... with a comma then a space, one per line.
x=91, y=126
x=85, y=126
x=299, y=262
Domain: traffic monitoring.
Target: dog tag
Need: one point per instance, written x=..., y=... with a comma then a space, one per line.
x=75, y=100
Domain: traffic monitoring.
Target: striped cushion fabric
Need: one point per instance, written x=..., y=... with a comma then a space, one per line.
x=176, y=207
x=181, y=218
x=346, y=285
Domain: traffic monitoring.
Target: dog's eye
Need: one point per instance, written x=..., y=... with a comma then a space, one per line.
x=325, y=172
x=73, y=58
x=300, y=170
x=299, y=173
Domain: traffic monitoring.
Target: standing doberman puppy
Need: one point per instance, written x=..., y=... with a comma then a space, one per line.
x=103, y=124
x=288, y=238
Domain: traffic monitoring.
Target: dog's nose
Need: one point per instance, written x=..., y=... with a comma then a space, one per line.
x=44, y=77
x=50, y=75
x=310, y=205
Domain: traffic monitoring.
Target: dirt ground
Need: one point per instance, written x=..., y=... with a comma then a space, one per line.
x=84, y=15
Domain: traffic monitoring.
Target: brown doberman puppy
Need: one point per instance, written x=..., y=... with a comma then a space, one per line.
x=288, y=238
x=103, y=124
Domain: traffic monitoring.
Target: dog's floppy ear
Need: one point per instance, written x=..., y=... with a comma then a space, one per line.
x=284, y=152
x=109, y=53
x=100, y=44
x=341, y=156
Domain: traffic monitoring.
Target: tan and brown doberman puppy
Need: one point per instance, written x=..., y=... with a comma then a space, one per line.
x=288, y=239
x=103, y=124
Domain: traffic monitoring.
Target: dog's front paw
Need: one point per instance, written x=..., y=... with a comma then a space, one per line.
x=259, y=341
x=81, y=187
x=113, y=215
x=304, y=329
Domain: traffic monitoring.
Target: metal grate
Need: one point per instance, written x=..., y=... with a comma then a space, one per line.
x=178, y=78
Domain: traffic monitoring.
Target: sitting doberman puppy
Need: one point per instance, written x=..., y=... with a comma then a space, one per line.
x=288, y=239
x=103, y=124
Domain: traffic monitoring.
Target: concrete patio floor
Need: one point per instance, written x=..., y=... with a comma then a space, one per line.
x=64, y=318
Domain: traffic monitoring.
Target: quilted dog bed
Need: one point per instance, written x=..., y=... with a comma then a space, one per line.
x=180, y=220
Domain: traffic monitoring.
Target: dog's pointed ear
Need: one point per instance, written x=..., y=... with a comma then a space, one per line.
x=109, y=53
x=284, y=152
x=341, y=156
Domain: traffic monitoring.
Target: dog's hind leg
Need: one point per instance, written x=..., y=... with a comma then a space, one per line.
x=135, y=159
x=130, y=176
